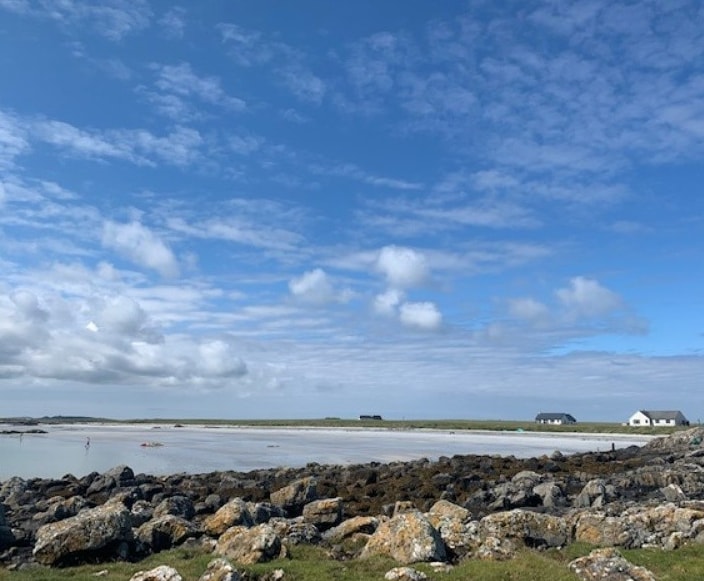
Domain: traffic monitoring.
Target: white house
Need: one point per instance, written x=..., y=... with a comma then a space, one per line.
x=656, y=419
x=555, y=418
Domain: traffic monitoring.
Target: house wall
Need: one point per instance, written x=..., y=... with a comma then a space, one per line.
x=639, y=419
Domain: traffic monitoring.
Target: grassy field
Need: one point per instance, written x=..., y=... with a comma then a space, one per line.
x=311, y=564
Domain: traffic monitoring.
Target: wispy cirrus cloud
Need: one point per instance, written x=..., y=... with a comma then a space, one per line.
x=180, y=92
x=113, y=19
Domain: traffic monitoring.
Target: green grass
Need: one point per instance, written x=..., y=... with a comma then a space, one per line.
x=310, y=563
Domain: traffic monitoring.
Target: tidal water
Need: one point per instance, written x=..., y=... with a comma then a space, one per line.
x=200, y=449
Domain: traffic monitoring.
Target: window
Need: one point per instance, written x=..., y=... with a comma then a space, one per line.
x=636, y=421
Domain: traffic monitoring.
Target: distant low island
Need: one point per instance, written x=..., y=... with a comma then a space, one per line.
x=360, y=422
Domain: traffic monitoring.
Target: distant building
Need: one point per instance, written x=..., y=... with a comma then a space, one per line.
x=651, y=418
x=558, y=418
x=363, y=417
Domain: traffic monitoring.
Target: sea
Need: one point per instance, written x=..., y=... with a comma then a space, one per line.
x=158, y=449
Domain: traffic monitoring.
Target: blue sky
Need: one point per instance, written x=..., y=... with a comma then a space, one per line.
x=303, y=209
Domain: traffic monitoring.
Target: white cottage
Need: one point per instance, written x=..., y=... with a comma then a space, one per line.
x=650, y=418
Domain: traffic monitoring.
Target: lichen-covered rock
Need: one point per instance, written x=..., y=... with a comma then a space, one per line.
x=295, y=496
x=600, y=530
x=262, y=512
x=443, y=510
x=6, y=535
x=324, y=513
x=407, y=538
x=295, y=531
x=234, y=513
x=495, y=549
x=101, y=530
x=351, y=526
x=608, y=565
x=220, y=570
x=165, y=532
x=160, y=573
x=531, y=528
x=249, y=545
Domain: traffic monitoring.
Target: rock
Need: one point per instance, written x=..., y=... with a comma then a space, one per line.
x=608, y=565
x=176, y=505
x=104, y=531
x=351, y=526
x=405, y=574
x=324, y=513
x=673, y=493
x=296, y=531
x=531, y=528
x=600, y=530
x=443, y=510
x=550, y=494
x=495, y=549
x=262, y=512
x=407, y=538
x=161, y=573
x=220, y=570
x=165, y=532
x=234, y=513
x=295, y=496
x=249, y=545
x=118, y=477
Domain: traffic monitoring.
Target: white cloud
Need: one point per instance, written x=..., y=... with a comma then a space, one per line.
x=139, y=244
x=387, y=303
x=528, y=309
x=112, y=19
x=423, y=315
x=585, y=297
x=315, y=287
x=402, y=267
x=218, y=359
x=13, y=140
x=173, y=22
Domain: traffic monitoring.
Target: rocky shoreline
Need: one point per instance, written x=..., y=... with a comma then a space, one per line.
x=446, y=510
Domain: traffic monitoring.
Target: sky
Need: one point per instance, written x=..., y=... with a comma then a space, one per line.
x=418, y=209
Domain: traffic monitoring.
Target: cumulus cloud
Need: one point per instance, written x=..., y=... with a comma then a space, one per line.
x=139, y=244
x=585, y=297
x=402, y=267
x=425, y=316
x=387, y=303
x=315, y=287
x=218, y=359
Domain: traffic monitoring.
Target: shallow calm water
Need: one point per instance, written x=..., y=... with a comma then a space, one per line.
x=198, y=449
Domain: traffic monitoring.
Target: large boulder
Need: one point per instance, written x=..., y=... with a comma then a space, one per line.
x=165, y=532
x=117, y=477
x=249, y=545
x=295, y=496
x=598, y=529
x=105, y=531
x=351, y=526
x=234, y=513
x=324, y=513
x=407, y=538
x=533, y=529
x=177, y=505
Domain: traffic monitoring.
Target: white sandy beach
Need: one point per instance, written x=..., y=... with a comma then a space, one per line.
x=198, y=449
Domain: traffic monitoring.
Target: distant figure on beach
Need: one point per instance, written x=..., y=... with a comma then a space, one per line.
x=87, y=443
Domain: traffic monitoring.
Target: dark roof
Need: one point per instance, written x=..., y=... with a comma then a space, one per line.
x=554, y=416
x=662, y=415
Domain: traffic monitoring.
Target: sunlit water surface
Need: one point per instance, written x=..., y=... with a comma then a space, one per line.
x=200, y=449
